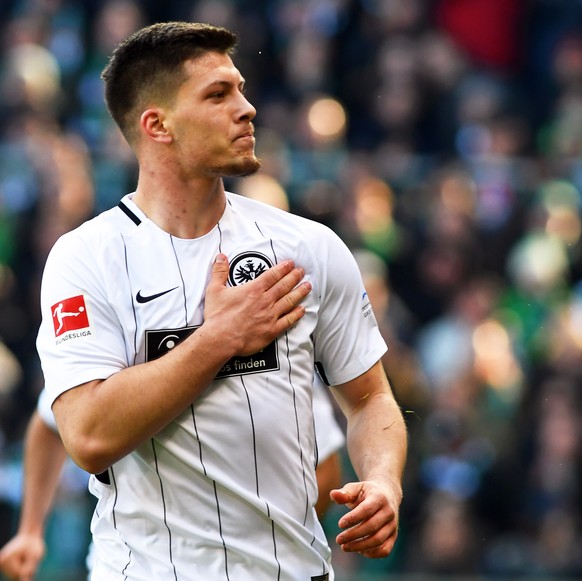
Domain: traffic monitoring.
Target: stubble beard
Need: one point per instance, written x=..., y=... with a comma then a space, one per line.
x=239, y=168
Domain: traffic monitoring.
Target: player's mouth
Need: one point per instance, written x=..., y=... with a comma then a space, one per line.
x=248, y=135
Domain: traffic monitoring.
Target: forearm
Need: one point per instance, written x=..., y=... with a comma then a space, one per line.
x=377, y=444
x=44, y=456
x=377, y=440
x=102, y=421
x=376, y=435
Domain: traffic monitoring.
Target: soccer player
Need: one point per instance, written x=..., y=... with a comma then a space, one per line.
x=184, y=385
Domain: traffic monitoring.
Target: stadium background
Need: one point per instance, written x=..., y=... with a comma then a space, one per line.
x=443, y=141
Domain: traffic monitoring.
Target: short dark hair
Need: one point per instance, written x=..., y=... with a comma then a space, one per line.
x=148, y=64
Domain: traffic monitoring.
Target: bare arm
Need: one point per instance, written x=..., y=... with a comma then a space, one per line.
x=44, y=456
x=329, y=475
x=101, y=421
x=377, y=446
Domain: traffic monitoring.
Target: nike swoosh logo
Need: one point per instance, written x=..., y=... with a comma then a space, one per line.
x=146, y=299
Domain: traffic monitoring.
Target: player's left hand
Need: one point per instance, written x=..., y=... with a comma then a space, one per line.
x=21, y=556
x=371, y=526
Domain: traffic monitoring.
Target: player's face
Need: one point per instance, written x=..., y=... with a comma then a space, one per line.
x=211, y=120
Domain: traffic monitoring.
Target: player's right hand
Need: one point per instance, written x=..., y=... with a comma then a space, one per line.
x=257, y=312
x=21, y=557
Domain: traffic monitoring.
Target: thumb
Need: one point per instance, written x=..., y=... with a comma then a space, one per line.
x=338, y=496
x=348, y=494
x=219, y=273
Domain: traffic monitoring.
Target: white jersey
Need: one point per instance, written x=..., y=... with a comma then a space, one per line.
x=226, y=491
x=44, y=409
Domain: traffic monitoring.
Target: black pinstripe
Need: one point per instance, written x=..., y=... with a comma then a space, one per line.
x=164, y=509
x=131, y=300
x=186, y=319
x=215, y=492
x=274, y=537
x=114, y=481
x=293, y=391
x=294, y=402
x=219, y=237
x=129, y=214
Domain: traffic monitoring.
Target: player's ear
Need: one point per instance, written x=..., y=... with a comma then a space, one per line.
x=152, y=122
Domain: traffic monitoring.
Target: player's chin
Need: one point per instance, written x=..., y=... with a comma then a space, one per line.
x=242, y=166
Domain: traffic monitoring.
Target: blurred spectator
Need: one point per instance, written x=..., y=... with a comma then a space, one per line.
x=489, y=31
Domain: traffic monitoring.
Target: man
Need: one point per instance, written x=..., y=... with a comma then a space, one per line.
x=45, y=455
x=185, y=384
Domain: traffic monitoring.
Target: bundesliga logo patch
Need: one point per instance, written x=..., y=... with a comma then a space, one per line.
x=69, y=315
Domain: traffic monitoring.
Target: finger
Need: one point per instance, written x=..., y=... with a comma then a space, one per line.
x=382, y=551
x=351, y=495
x=11, y=569
x=366, y=527
x=275, y=278
x=366, y=515
x=377, y=540
x=290, y=300
x=276, y=289
x=219, y=272
x=10, y=565
x=289, y=319
x=28, y=569
x=342, y=496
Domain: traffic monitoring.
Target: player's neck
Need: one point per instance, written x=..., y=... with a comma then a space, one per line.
x=188, y=211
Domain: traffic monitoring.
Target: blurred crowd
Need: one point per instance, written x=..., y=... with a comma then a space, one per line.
x=442, y=139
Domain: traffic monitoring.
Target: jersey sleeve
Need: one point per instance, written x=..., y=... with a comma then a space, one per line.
x=79, y=338
x=347, y=339
x=43, y=407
